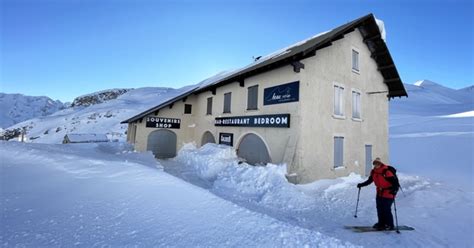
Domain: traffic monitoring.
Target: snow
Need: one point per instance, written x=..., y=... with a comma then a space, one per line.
x=381, y=26
x=326, y=206
x=461, y=115
x=107, y=196
x=433, y=131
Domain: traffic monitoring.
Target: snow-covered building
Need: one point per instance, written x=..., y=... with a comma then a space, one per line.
x=320, y=106
x=84, y=138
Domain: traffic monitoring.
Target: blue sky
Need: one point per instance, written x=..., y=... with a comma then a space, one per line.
x=63, y=49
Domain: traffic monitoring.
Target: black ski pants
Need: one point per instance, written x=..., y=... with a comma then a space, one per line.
x=384, y=211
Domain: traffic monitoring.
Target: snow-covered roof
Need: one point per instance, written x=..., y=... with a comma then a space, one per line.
x=86, y=137
x=372, y=31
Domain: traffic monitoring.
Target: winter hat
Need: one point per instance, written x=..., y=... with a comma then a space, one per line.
x=377, y=161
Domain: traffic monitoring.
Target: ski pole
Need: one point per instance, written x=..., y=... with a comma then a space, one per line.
x=402, y=191
x=396, y=217
x=357, y=205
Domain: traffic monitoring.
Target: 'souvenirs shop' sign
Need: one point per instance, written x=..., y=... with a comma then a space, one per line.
x=283, y=93
x=162, y=122
x=278, y=120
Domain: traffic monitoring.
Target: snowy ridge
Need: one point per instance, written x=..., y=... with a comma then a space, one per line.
x=440, y=93
x=16, y=108
x=101, y=118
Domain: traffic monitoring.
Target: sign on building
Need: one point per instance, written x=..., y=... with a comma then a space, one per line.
x=161, y=122
x=283, y=93
x=278, y=120
x=226, y=139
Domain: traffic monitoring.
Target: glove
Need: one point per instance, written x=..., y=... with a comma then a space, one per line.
x=359, y=185
x=393, y=192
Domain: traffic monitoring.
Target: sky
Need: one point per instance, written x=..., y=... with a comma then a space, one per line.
x=64, y=49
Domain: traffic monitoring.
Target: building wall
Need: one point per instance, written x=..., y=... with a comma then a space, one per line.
x=276, y=139
x=185, y=134
x=330, y=66
x=308, y=145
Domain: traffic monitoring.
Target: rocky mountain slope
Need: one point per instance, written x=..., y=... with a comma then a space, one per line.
x=16, y=108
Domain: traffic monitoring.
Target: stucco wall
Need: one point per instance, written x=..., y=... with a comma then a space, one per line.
x=185, y=133
x=330, y=66
x=276, y=139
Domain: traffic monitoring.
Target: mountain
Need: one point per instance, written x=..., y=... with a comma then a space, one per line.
x=469, y=89
x=438, y=92
x=16, y=108
x=99, y=112
x=427, y=98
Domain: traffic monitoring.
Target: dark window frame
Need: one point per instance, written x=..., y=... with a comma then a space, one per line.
x=188, y=109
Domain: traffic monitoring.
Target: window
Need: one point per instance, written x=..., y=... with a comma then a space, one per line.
x=355, y=60
x=252, y=99
x=338, y=152
x=338, y=100
x=209, y=106
x=227, y=98
x=355, y=105
x=187, y=108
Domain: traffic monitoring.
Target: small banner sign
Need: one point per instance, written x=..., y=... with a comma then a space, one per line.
x=226, y=139
x=162, y=122
x=278, y=120
x=283, y=93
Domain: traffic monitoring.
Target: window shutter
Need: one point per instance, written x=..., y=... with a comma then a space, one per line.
x=338, y=151
x=355, y=60
x=252, y=99
x=356, y=105
x=336, y=100
x=227, y=101
x=209, y=106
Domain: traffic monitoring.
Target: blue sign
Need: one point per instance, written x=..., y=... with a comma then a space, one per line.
x=283, y=93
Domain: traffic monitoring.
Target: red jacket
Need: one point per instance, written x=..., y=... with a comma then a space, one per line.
x=383, y=179
x=379, y=176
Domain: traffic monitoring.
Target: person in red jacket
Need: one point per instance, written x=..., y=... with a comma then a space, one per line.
x=385, y=182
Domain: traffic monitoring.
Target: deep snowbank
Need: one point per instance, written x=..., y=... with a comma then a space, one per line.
x=327, y=205
x=238, y=181
x=107, y=196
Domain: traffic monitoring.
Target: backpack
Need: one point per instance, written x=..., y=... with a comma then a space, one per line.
x=396, y=186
